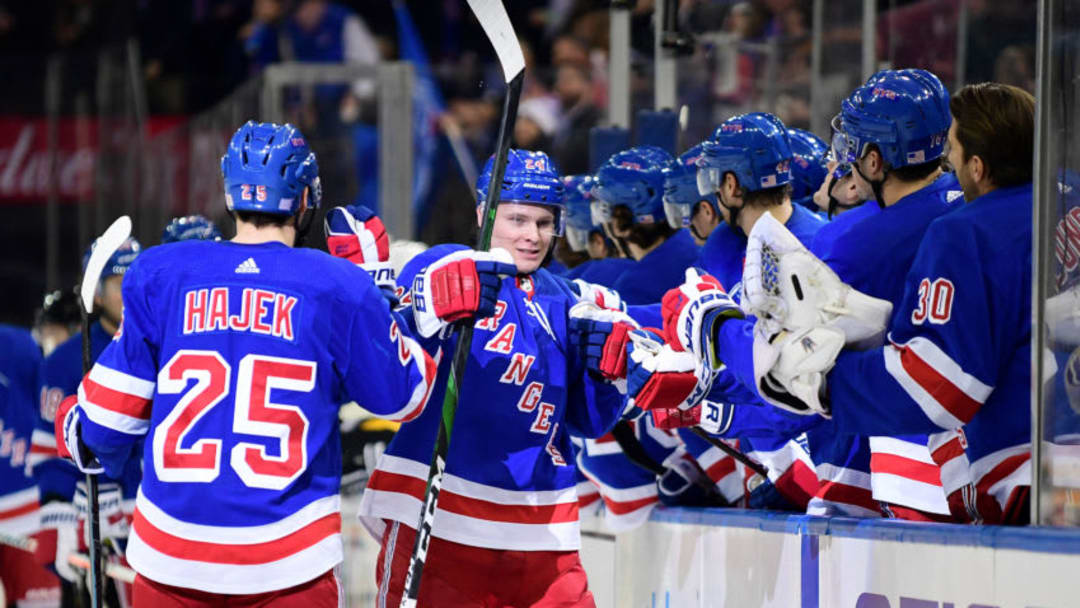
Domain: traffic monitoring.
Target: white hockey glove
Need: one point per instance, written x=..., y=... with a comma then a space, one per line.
x=69, y=443
x=1063, y=317
x=114, y=514
x=691, y=312
x=790, y=367
x=787, y=288
x=598, y=295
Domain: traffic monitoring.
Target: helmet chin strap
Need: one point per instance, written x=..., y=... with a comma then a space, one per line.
x=733, y=213
x=875, y=185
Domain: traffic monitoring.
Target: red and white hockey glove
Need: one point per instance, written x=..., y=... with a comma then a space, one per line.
x=457, y=286
x=599, y=295
x=691, y=312
x=601, y=337
x=358, y=235
x=712, y=416
x=658, y=376
x=68, y=442
x=114, y=514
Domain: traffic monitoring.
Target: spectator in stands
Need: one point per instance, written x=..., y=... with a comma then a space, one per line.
x=536, y=122
x=570, y=147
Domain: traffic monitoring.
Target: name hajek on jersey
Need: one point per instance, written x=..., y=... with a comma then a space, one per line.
x=261, y=311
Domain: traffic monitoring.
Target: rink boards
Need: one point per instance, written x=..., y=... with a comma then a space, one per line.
x=694, y=557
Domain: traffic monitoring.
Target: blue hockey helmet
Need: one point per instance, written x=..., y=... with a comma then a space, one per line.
x=905, y=113
x=808, y=168
x=530, y=178
x=120, y=260
x=266, y=169
x=634, y=178
x=681, y=191
x=579, y=221
x=190, y=227
x=755, y=147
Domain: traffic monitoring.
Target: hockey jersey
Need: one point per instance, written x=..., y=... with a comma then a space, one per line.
x=59, y=377
x=959, y=353
x=232, y=361
x=19, y=361
x=871, y=249
x=510, y=478
x=660, y=270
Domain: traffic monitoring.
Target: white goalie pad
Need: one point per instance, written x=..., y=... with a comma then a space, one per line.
x=787, y=288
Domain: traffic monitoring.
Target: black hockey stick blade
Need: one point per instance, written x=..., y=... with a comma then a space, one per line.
x=754, y=466
x=104, y=247
x=496, y=24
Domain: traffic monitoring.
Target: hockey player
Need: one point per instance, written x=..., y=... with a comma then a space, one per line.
x=807, y=166
x=631, y=185
x=959, y=343
x=232, y=363
x=583, y=233
x=507, y=527
x=190, y=227
x=25, y=581
x=57, y=319
x=62, y=486
x=684, y=206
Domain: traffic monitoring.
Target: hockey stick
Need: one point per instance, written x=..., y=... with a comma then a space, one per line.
x=104, y=247
x=113, y=571
x=496, y=23
x=754, y=466
x=635, y=453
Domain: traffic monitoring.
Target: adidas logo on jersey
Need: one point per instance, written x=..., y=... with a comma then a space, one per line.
x=248, y=266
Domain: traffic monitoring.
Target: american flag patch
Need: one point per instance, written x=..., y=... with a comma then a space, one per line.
x=918, y=156
x=768, y=181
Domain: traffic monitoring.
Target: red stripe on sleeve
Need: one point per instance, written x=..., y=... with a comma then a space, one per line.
x=906, y=468
x=116, y=401
x=956, y=401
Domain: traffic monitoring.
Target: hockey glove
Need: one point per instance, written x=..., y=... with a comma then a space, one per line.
x=661, y=377
x=62, y=519
x=712, y=416
x=114, y=514
x=358, y=235
x=460, y=285
x=787, y=287
x=601, y=337
x=790, y=367
x=598, y=294
x=693, y=311
x=69, y=443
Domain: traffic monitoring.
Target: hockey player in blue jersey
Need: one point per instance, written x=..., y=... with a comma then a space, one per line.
x=808, y=169
x=508, y=500
x=684, y=205
x=62, y=485
x=25, y=581
x=585, y=234
x=232, y=361
x=958, y=355
x=631, y=185
x=190, y=227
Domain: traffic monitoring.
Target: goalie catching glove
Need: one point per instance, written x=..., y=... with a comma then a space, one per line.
x=692, y=313
x=459, y=285
x=358, y=235
x=787, y=288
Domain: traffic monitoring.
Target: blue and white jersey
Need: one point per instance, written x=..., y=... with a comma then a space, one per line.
x=59, y=377
x=872, y=249
x=660, y=270
x=19, y=499
x=959, y=352
x=230, y=365
x=510, y=479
